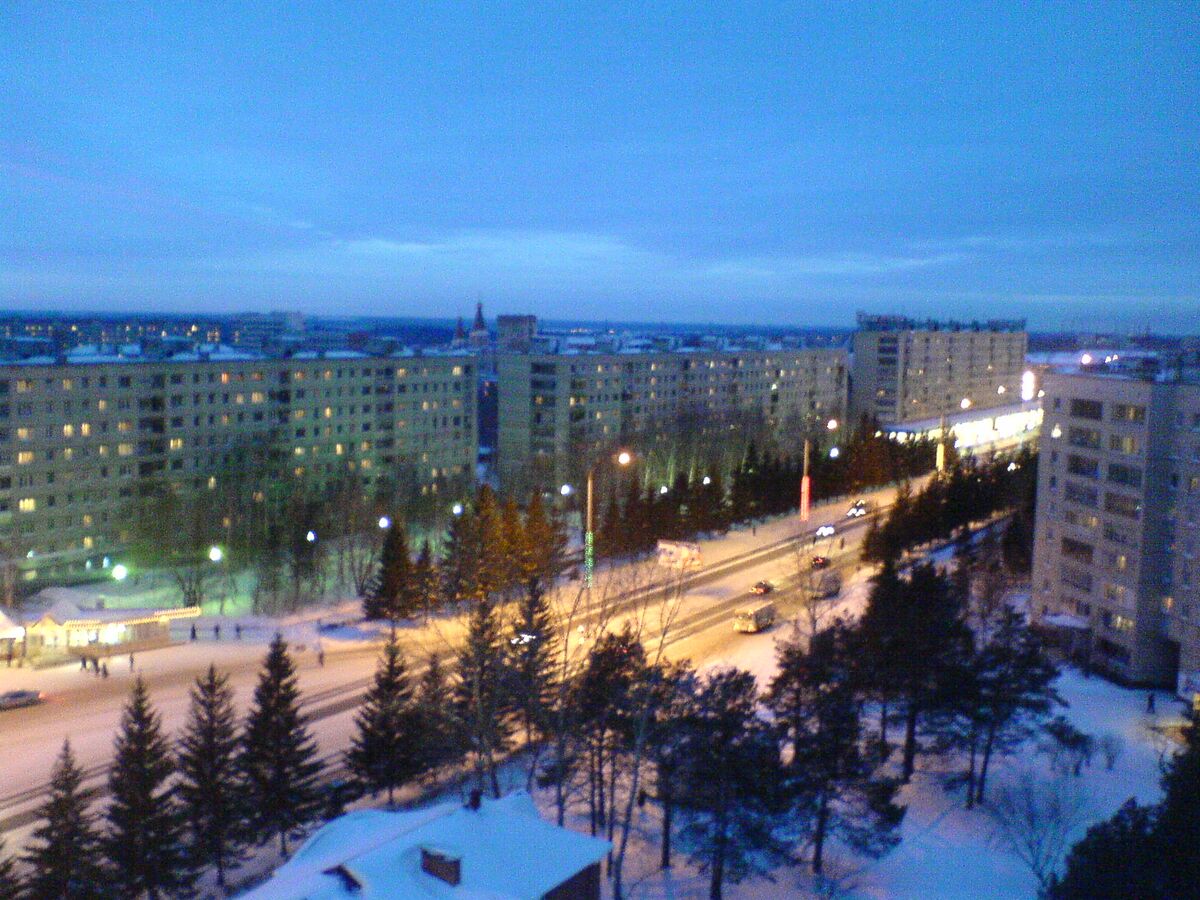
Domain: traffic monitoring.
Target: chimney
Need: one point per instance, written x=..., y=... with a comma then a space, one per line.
x=441, y=865
x=476, y=798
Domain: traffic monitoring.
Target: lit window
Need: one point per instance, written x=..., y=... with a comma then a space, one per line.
x=85, y=429
x=124, y=449
x=25, y=457
x=27, y=504
x=175, y=443
x=68, y=430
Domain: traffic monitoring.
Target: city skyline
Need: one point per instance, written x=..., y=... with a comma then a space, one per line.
x=785, y=167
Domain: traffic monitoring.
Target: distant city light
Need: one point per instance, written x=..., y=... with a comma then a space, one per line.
x=565, y=490
x=385, y=522
x=1056, y=432
x=311, y=537
x=1086, y=359
x=834, y=452
x=706, y=481
x=457, y=509
x=663, y=489
x=832, y=424
x=624, y=457
x=120, y=573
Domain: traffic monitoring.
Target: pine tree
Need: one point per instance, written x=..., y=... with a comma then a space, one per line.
x=460, y=568
x=425, y=578
x=481, y=695
x=731, y=785
x=385, y=752
x=492, y=568
x=835, y=786
x=10, y=883
x=63, y=856
x=144, y=843
x=531, y=667
x=397, y=593
x=209, y=786
x=279, y=757
x=437, y=727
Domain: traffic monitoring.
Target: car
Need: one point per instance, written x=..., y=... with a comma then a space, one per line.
x=17, y=699
x=820, y=562
x=763, y=587
x=826, y=531
x=857, y=510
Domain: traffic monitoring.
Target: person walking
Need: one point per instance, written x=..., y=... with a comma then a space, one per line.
x=237, y=631
x=104, y=670
x=1150, y=703
x=130, y=662
x=193, y=632
x=216, y=631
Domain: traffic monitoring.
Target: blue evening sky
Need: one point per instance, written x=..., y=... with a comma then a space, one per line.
x=778, y=163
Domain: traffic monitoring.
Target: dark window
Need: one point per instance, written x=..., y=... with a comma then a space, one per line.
x=1087, y=409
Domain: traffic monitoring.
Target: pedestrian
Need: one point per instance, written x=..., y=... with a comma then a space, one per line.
x=130, y=662
x=96, y=664
x=1150, y=703
x=193, y=632
x=217, y=631
x=842, y=544
x=83, y=662
x=237, y=631
x=753, y=528
x=104, y=670
x=10, y=654
x=321, y=657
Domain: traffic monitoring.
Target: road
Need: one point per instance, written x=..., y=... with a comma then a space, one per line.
x=87, y=709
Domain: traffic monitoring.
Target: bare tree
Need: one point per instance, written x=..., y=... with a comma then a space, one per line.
x=1036, y=818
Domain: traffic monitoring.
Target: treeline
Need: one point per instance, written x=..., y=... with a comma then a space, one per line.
x=632, y=520
x=971, y=492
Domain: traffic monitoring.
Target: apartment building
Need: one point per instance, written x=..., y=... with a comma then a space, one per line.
x=1118, y=522
x=79, y=430
x=561, y=406
x=906, y=370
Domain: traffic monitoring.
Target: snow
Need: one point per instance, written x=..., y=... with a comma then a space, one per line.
x=506, y=848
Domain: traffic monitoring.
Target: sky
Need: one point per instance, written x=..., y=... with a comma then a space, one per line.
x=785, y=164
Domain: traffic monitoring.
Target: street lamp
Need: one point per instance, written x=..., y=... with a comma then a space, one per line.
x=565, y=490
x=706, y=481
x=457, y=509
x=311, y=536
x=119, y=572
x=215, y=553
x=623, y=458
x=834, y=452
x=832, y=424
x=384, y=523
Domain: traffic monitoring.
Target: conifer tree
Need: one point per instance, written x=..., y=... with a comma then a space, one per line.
x=532, y=651
x=209, y=788
x=63, y=856
x=437, y=726
x=460, y=568
x=492, y=568
x=10, y=883
x=144, y=843
x=425, y=578
x=481, y=694
x=385, y=751
x=396, y=595
x=513, y=546
x=278, y=757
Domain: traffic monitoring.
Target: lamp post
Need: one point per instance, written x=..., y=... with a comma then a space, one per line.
x=963, y=404
x=805, y=480
x=623, y=458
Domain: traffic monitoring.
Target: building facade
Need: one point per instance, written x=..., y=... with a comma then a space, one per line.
x=906, y=371
x=1118, y=522
x=560, y=411
x=79, y=431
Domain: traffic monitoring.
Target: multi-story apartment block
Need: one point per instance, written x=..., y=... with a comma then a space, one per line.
x=905, y=371
x=562, y=406
x=1118, y=522
x=78, y=431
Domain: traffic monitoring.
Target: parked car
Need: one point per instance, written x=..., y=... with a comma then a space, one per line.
x=754, y=619
x=829, y=586
x=826, y=531
x=763, y=587
x=820, y=562
x=857, y=510
x=17, y=699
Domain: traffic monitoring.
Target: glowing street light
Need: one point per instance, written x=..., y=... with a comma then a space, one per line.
x=385, y=523
x=120, y=573
x=565, y=490
x=623, y=458
x=215, y=553
x=663, y=489
x=457, y=509
x=965, y=403
x=706, y=481
x=311, y=536
x=834, y=452
x=832, y=424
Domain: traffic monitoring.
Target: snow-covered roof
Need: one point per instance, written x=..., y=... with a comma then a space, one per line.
x=10, y=630
x=507, y=852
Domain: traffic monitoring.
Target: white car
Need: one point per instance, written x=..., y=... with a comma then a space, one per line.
x=858, y=510
x=826, y=531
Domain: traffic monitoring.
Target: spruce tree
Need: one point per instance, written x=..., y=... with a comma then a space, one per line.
x=461, y=559
x=425, y=579
x=279, y=757
x=144, y=843
x=532, y=650
x=10, y=883
x=396, y=595
x=492, y=570
x=436, y=724
x=385, y=751
x=63, y=856
x=209, y=786
x=481, y=693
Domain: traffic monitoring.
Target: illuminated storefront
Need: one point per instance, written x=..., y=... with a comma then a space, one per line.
x=977, y=431
x=66, y=630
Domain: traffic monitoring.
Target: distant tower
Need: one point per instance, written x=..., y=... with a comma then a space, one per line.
x=460, y=335
x=479, y=332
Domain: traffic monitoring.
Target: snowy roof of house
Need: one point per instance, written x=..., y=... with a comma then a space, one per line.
x=65, y=610
x=10, y=630
x=507, y=852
